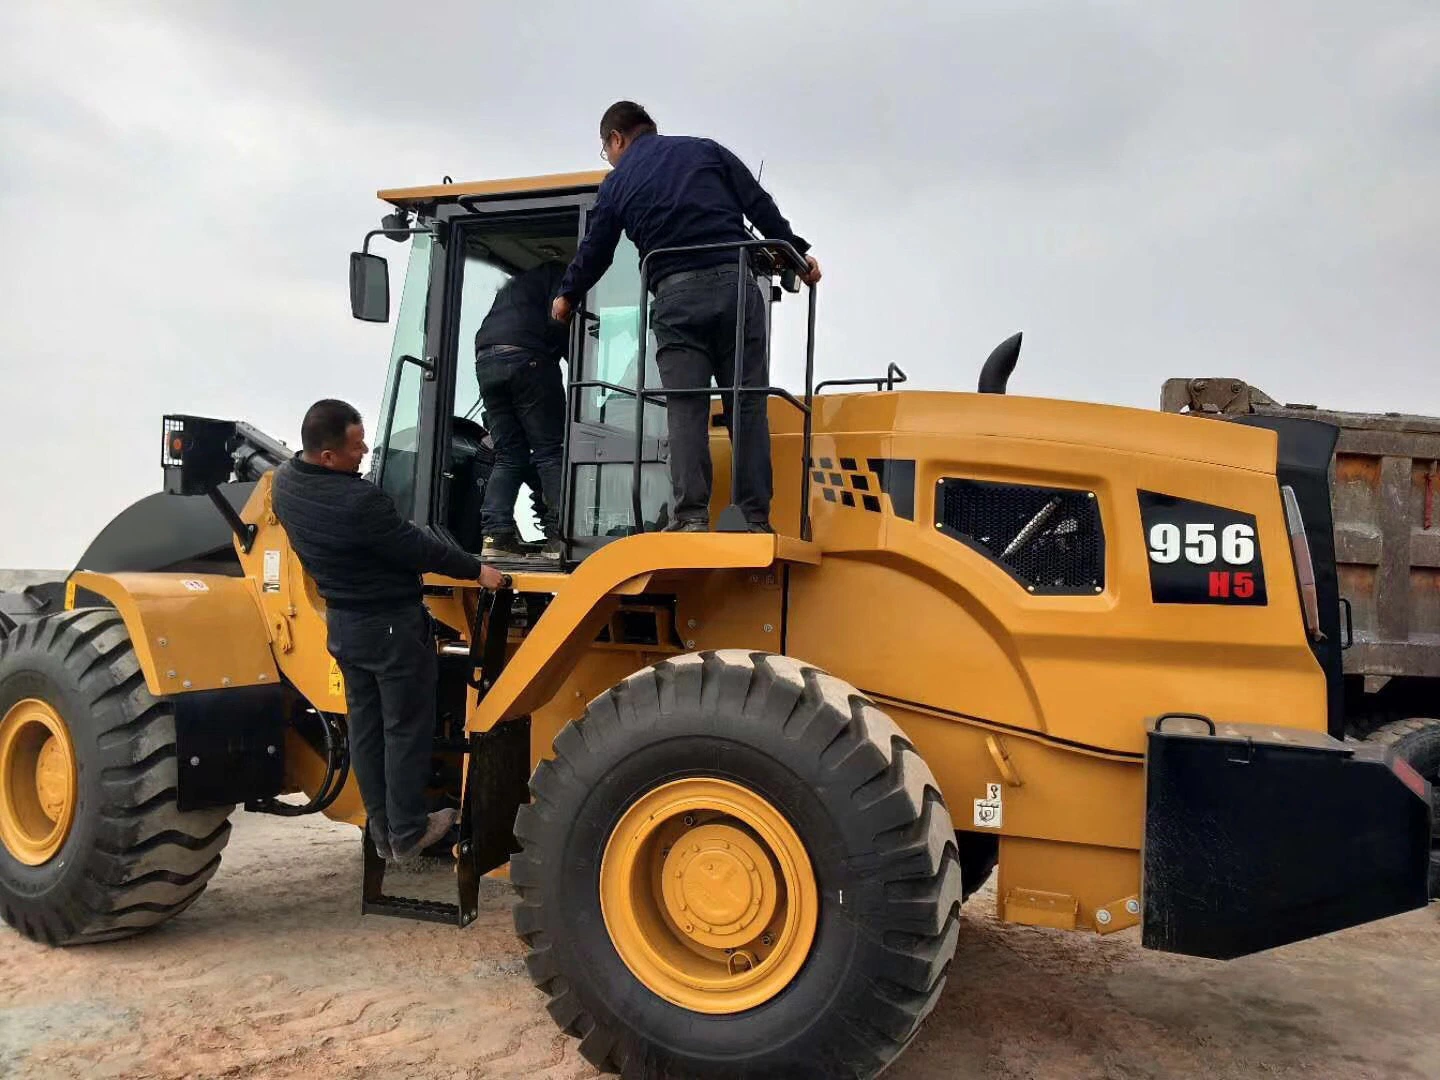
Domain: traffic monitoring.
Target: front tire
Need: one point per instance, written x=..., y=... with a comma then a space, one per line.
x=753, y=793
x=92, y=844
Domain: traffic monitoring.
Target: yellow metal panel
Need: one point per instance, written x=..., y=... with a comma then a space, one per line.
x=1093, y=876
x=1067, y=795
x=1034, y=907
x=294, y=613
x=1019, y=420
x=190, y=631
x=585, y=598
x=948, y=628
x=520, y=185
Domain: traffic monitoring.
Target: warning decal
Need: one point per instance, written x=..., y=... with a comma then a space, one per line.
x=272, y=570
x=988, y=809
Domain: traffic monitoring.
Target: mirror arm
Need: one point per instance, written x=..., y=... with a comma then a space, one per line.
x=392, y=233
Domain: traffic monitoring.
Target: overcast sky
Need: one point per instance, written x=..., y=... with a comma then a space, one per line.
x=1147, y=189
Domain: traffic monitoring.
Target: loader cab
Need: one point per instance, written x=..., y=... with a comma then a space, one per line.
x=432, y=450
x=430, y=438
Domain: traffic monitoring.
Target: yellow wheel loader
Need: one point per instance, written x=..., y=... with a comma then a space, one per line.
x=742, y=782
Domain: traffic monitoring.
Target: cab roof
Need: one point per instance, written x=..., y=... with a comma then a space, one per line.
x=519, y=185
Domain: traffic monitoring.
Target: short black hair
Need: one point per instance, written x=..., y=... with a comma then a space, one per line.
x=625, y=118
x=325, y=425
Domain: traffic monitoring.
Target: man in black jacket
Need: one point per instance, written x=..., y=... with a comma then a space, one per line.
x=670, y=191
x=366, y=561
x=517, y=365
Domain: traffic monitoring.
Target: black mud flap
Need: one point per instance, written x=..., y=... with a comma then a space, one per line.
x=230, y=746
x=1257, y=836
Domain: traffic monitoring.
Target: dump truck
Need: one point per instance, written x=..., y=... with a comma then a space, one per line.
x=1385, y=500
x=742, y=782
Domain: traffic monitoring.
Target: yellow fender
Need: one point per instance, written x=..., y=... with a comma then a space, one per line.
x=191, y=631
x=568, y=628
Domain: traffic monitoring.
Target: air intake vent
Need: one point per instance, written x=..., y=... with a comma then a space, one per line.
x=1049, y=539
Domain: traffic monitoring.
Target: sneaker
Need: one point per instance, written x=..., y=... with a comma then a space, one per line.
x=503, y=545
x=683, y=526
x=552, y=549
x=441, y=822
x=380, y=837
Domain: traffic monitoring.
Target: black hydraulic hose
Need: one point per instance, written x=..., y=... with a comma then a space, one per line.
x=337, y=774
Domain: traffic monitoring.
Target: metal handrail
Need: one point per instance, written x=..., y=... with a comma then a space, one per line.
x=742, y=248
x=893, y=374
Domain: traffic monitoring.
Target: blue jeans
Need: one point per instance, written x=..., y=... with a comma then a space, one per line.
x=525, y=412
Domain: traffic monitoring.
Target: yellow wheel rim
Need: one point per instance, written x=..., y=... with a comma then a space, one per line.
x=37, y=782
x=708, y=895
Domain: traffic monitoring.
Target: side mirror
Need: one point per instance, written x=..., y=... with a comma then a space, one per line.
x=369, y=287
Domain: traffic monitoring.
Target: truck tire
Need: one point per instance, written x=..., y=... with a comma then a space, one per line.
x=92, y=844
x=743, y=802
x=1417, y=742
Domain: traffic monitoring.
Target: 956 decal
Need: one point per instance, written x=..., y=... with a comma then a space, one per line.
x=1200, y=553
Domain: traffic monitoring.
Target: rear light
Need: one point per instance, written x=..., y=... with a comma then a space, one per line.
x=1409, y=777
x=1304, y=565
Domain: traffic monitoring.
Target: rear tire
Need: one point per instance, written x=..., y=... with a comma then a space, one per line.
x=872, y=822
x=131, y=859
x=1417, y=742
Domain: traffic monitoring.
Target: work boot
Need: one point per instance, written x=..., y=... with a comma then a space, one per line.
x=441, y=822
x=380, y=837
x=760, y=527
x=682, y=525
x=504, y=545
x=552, y=549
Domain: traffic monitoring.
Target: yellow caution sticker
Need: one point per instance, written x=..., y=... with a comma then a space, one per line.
x=337, y=681
x=70, y=595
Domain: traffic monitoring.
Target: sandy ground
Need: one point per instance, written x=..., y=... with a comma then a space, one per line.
x=274, y=974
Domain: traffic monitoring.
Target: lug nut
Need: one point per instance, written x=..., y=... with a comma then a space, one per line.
x=1102, y=917
x=689, y=820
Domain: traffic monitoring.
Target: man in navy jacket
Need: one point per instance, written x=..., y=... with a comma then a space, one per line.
x=676, y=191
x=366, y=561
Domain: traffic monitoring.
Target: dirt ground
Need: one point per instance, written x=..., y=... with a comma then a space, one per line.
x=274, y=974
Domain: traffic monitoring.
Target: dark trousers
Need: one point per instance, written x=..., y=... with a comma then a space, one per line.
x=694, y=323
x=389, y=665
x=525, y=412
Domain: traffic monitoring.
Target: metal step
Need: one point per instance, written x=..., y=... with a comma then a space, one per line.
x=374, y=901
x=404, y=907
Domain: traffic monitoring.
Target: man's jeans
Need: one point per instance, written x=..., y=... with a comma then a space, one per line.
x=388, y=661
x=525, y=412
x=694, y=323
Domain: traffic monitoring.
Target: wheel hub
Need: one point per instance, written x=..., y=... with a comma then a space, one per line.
x=708, y=895
x=37, y=782
x=52, y=778
x=719, y=886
